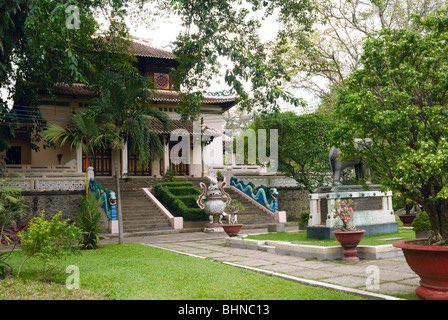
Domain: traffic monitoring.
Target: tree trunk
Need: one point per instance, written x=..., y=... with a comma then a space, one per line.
x=117, y=184
x=438, y=213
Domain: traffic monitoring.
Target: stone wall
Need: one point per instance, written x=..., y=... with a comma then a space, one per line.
x=293, y=201
x=52, y=202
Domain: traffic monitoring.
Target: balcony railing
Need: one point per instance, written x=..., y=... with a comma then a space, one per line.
x=46, y=178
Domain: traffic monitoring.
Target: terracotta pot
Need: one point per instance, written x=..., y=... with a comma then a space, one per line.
x=349, y=240
x=430, y=263
x=232, y=230
x=407, y=219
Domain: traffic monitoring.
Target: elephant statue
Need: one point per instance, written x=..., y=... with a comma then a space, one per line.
x=337, y=165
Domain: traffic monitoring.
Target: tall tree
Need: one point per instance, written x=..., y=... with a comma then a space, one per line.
x=222, y=38
x=123, y=107
x=399, y=99
x=321, y=58
x=303, y=151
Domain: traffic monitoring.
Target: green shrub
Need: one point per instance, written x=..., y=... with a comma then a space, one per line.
x=304, y=216
x=177, y=184
x=169, y=175
x=88, y=221
x=180, y=199
x=12, y=220
x=49, y=241
x=183, y=191
x=421, y=222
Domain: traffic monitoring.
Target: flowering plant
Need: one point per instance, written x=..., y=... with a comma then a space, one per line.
x=343, y=211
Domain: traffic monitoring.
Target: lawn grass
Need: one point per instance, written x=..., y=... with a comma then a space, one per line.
x=299, y=237
x=134, y=271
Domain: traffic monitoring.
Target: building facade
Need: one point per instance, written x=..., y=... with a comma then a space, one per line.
x=183, y=150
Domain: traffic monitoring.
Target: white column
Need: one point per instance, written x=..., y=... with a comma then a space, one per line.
x=79, y=159
x=166, y=155
x=314, y=210
x=90, y=173
x=124, y=159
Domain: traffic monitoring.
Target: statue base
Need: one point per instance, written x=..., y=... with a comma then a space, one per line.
x=372, y=208
x=213, y=227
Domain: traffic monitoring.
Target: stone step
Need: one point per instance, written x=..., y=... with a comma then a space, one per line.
x=148, y=218
x=143, y=225
x=139, y=213
x=146, y=229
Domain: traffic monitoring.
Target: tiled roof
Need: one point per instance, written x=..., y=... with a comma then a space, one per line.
x=174, y=97
x=82, y=90
x=147, y=50
x=76, y=89
x=158, y=128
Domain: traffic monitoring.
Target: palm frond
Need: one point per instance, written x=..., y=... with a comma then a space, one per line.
x=125, y=103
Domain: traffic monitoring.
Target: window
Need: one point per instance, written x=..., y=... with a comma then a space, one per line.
x=14, y=155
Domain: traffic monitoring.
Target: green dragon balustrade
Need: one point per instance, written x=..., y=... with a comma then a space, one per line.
x=267, y=197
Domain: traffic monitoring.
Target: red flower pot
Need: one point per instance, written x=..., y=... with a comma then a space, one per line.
x=407, y=219
x=232, y=230
x=430, y=263
x=349, y=240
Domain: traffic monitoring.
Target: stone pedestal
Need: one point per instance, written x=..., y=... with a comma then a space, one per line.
x=373, y=210
x=276, y=227
x=213, y=227
x=113, y=227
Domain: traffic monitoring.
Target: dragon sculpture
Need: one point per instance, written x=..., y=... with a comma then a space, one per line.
x=106, y=197
x=267, y=197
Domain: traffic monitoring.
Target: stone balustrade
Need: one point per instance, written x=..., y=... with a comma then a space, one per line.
x=46, y=178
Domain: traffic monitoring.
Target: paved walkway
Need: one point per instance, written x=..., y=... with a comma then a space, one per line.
x=374, y=279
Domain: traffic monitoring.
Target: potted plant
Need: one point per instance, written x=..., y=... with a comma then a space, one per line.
x=407, y=217
x=348, y=236
x=303, y=219
x=233, y=228
x=422, y=225
x=219, y=176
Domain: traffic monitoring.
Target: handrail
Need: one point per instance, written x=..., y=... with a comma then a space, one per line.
x=107, y=197
x=267, y=197
x=176, y=222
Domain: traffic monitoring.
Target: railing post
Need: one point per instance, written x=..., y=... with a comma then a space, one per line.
x=90, y=173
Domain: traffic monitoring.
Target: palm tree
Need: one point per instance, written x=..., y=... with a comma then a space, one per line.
x=82, y=131
x=123, y=107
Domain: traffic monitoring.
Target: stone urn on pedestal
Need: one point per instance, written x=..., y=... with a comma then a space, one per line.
x=213, y=200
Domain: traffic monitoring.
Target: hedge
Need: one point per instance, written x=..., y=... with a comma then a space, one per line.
x=180, y=199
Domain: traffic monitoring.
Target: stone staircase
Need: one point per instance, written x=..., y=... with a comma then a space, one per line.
x=251, y=216
x=140, y=215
